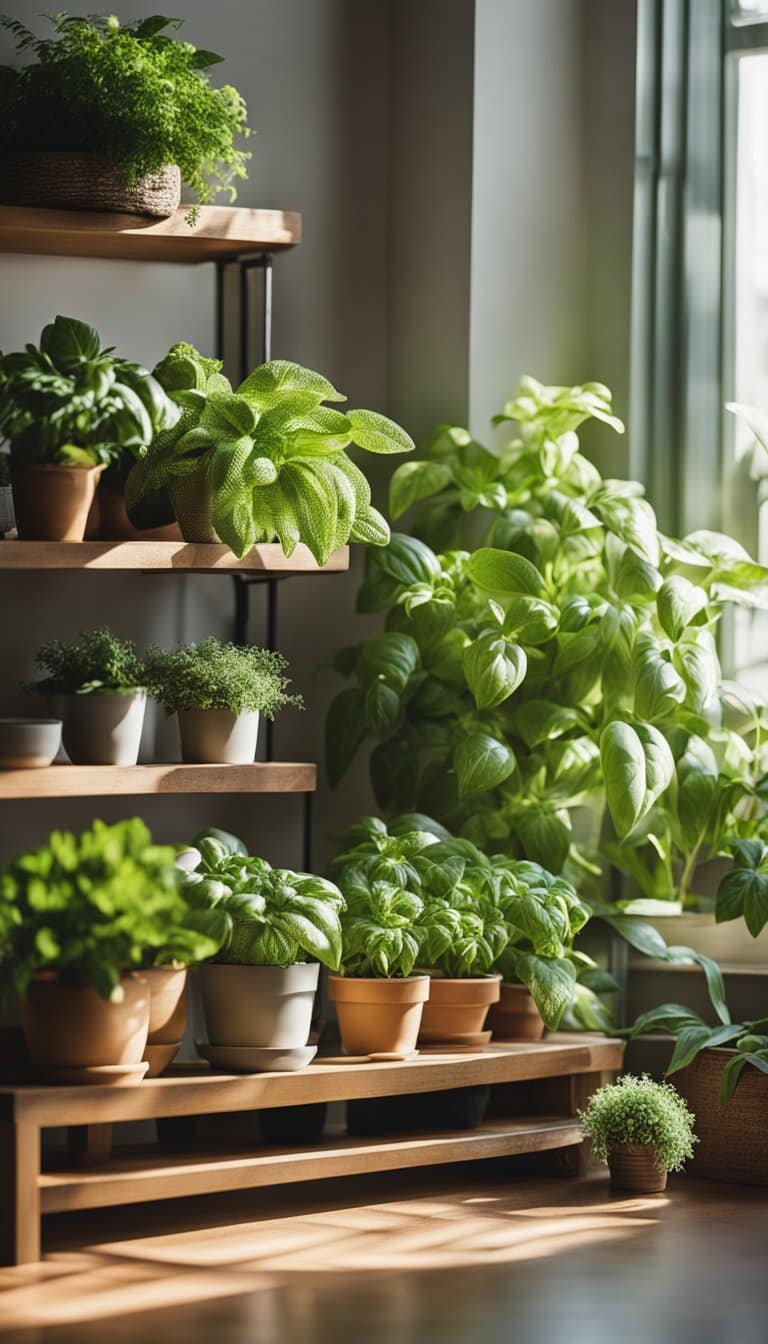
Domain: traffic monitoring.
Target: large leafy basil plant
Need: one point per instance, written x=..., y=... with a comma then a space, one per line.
x=269, y=458
x=566, y=669
x=272, y=916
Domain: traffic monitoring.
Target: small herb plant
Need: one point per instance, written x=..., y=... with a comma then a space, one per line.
x=274, y=917
x=70, y=401
x=212, y=675
x=98, y=662
x=640, y=1111
x=94, y=906
x=270, y=453
x=134, y=94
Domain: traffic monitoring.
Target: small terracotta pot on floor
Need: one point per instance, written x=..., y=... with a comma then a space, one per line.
x=378, y=1016
x=633, y=1168
x=167, y=1016
x=74, y=1035
x=52, y=502
x=515, y=1017
x=456, y=1010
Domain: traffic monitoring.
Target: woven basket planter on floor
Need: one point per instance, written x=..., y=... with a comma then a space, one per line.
x=87, y=182
x=733, y=1139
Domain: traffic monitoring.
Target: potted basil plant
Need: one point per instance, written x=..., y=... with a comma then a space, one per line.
x=68, y=409
x=84, y=920
x=219, y=692
x=259, y=993
x=97, y=685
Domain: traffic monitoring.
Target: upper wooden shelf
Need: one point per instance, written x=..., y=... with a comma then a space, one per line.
x=222, y=233
x=101, y=781
x=162, y=556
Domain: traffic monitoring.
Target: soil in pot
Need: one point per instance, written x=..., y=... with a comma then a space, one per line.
x=218, y=737
x=102, y=729
x=286, y=1125
x=633, y=1168
x=515, y=1017
x=167, y=1016
x=70, y=1027
x=733, y=1139
x=268, y=1007
x=377, y=1016
x=52, y=502
x=457, y=1009
x=458, y=1108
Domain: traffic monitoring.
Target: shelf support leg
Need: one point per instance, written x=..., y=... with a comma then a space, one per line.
x=19, y=1193
x=90, y=1144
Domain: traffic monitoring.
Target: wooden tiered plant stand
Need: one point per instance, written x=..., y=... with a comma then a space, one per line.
x=537, y=1090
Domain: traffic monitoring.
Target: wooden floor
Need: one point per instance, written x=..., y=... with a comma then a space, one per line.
x=457, y=1255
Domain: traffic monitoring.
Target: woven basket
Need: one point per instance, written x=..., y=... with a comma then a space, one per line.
x=87, y=182
x=633, y=1167
x=733, y=1140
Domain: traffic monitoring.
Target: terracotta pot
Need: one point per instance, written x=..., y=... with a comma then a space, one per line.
x=167, y=1016
x=218, y=737
x=515, y=1017
x=733, y=1139
x=633, y=1167
x=377, y=1016
x=102, y=729
x=71, y=1027
x=51, y=502
x=267, y=1007
x=457, y=1008
x=108, y=521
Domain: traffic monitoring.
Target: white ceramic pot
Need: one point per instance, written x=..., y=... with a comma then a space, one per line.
x=730, y=943
x=265, y=1006
x=102, y=729
x=218, y=737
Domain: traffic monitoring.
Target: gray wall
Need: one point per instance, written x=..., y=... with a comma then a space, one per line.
x=453, y=163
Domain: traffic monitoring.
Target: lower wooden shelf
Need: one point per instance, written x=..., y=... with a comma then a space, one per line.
x=101, y=781
x=146, y=1174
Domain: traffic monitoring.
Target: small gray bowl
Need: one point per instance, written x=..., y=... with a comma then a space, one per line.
x=28, y=743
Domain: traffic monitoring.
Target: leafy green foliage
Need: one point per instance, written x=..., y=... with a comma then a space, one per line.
x=132, y=93
x=97, y=662
x=273, y=917
x=568, y=664
x=744, y=890
x=94, y=906
x=212, y=675
x=271, y=455
x=71, y=401
x=638, y=1110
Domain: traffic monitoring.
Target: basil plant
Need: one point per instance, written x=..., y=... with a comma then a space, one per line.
x=268, y=459
x=273, y=917
x=555, y=693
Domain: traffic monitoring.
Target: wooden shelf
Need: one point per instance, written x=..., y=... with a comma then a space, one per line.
x=94, y=781
x=267, y=561
x=222, y=233
x=149, y=1174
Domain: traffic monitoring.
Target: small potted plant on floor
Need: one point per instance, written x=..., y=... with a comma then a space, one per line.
x=266, y=462
x=81, y=920
x=642, y=1129
x=219, y=692
x=97, y=686
x=113, y=117
x=68, y=409
x=259, y=993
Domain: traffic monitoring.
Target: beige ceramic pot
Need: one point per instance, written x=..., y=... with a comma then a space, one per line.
x=377, y=1016
x=102, y=729
x=72, y=1028
x=457, y=1008
x=167, y=1016
x=263, y=1007
x=515, y=1017
x=52, y=502
x=633, y=1168
x=218, y=737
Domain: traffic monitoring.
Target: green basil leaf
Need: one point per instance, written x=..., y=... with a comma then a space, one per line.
x=494, y=669
x=346, y=728
x=505, y=572
x=637, y=767
x=481, y=763
x=414, y=481
x=382, y=708
x=678, y=603
x=376, y=434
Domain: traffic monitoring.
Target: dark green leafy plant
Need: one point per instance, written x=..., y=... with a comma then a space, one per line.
x=97, y=662
x=269, y=457
x=743, y=892
x=274, y=917
x=569, y=664
x=94, y=906
x=212, y=675
x=71, y=401
x=132, y=93
x=640, y=1111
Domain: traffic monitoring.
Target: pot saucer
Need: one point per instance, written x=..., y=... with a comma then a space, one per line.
x=159, y=1055
x=256, y=1059
x=469, y=1040
x=390, y=1056
x=108, y=1075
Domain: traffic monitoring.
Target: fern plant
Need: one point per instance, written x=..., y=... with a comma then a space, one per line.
x=268, y=460
x=132, y=93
